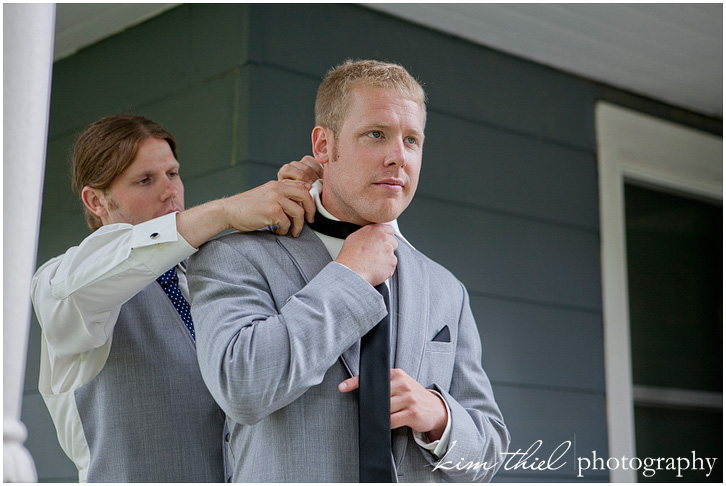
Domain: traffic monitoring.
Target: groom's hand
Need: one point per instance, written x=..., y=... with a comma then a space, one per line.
x=412, y=405
x=369, y=252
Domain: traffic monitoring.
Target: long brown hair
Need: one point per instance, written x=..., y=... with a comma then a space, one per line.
x=106, y=148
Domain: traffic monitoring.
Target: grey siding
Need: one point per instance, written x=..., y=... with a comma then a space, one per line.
x=507, y=200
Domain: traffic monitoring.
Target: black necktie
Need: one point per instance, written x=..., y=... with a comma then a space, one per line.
x=374, y=393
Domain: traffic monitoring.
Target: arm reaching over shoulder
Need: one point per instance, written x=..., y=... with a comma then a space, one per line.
x=77, y=297
x=285, y=203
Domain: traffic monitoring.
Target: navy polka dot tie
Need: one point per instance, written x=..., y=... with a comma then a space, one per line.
x=170, y=283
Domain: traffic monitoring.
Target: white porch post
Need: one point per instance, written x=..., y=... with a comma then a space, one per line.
x=27, y=64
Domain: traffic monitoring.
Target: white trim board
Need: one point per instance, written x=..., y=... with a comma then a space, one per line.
x=651, y=150
x=677, y=398
x=641, y=148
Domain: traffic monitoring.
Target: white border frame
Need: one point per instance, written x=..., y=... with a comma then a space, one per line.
x=641, y=148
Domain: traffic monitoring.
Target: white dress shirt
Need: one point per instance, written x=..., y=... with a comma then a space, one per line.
x=334, y=245
x=77, y=298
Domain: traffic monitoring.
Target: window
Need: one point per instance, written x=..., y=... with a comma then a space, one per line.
x=675, y=287
x=657, y=179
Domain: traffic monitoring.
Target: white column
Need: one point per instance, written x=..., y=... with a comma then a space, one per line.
x=28, y=31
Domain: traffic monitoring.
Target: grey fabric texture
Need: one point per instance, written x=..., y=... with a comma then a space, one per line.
x=278, y=325
x=148, y=416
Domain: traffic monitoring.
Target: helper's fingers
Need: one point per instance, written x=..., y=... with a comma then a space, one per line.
x=292, y=171
x=294, y=213
x=313, y=167
x=304, y=198
x=306, y=170
x=283, y=223
x=300, y=194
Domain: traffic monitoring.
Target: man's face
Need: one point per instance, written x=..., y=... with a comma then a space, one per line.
x=148, y=188
x=373, y=165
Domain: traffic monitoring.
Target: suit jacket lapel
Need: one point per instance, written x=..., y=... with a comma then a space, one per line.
x=412, y=312
x=310, y=256
x=413, y=301
x=307, y=252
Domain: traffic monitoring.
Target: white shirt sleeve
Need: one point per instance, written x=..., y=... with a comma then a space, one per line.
x=438, y=447
x=78, y=296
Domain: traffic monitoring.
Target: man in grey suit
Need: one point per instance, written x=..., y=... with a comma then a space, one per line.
x=280, y=321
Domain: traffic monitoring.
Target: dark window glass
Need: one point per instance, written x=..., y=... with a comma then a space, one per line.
x=672, y=433
x=675, y=279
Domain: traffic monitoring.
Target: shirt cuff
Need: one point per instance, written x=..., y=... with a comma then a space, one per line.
x=438, y=447
x=155, y=231
x=158, y=244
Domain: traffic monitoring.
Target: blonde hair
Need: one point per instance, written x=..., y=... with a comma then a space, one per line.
x=106, y=148
x=334, y=93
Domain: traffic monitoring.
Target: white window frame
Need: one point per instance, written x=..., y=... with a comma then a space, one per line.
x=637, y=147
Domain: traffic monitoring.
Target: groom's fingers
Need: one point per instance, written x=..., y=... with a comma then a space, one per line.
x=348, y=385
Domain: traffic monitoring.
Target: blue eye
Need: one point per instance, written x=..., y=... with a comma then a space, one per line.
x=375, y=134
x=411, y=140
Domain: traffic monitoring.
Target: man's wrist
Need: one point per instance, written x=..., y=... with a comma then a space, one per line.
x=220, y=213
x=437, y=432
x=200, y=223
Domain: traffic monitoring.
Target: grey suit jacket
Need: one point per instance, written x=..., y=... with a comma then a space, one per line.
x=278, y=325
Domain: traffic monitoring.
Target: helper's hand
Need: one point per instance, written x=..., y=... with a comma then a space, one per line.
x=283, y=203
x=306, y=169
x=412, y=405
x=369, y=253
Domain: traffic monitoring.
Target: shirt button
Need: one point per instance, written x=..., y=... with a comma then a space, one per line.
x=160, y=247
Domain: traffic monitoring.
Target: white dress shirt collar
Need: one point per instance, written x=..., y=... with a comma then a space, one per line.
x=335, y=244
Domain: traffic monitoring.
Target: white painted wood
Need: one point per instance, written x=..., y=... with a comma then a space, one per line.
x=616, y=335
x=670, y=52
x=27, y=63
x=81, y=25
x=677, y=398
x=642, y=148
x=666, y=154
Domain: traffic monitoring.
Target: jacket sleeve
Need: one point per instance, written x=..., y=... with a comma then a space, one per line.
x=478, y=434
x=257, y=354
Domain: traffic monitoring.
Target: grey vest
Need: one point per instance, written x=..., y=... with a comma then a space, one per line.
x=147, y=416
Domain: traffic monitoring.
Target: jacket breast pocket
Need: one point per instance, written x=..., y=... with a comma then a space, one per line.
x=438, y=364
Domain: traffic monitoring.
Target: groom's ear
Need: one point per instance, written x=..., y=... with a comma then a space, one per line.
x=322, y=139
